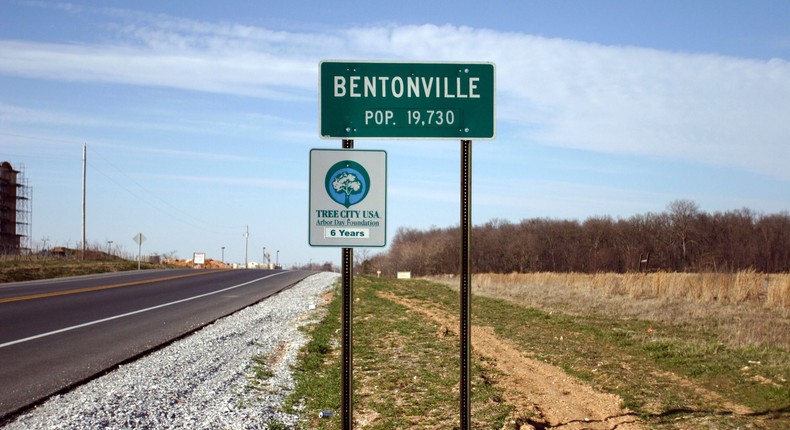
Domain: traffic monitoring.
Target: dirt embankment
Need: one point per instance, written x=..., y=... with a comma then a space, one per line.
x=210, y=264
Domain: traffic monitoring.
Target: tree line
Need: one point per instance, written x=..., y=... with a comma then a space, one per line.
x=682, y=238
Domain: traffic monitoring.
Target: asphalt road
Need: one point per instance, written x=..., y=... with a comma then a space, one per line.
x=56, y=334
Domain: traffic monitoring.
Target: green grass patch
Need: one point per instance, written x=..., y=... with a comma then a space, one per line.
x=260, y=368
x=317, y=372
x=405, y=370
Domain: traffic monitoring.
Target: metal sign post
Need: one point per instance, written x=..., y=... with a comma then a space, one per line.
x=347, y=402
x=465, y=290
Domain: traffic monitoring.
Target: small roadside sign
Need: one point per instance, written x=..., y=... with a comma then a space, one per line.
x=348, y=198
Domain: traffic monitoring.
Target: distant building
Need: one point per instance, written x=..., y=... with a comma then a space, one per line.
x=15, y=212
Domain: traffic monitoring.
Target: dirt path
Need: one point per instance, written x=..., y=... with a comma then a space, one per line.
x=544, y=396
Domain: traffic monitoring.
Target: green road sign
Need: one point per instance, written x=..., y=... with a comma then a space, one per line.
x=400, y=100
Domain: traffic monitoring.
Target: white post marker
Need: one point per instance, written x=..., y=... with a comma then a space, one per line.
x=139, y=238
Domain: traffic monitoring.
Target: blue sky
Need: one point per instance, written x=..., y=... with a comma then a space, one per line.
x=199, y=116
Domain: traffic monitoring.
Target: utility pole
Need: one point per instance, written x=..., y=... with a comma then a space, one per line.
x=246, y=246
x=84, y=182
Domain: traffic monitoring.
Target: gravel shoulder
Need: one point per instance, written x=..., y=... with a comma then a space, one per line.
x=203, y=381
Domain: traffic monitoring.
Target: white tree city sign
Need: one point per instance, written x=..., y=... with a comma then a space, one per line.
x=348, y=198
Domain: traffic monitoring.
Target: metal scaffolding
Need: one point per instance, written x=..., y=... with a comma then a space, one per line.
x=15, y=210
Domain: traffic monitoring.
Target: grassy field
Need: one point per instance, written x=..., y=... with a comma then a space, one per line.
x=30, y=268
x=740, y=309
x=665, y=374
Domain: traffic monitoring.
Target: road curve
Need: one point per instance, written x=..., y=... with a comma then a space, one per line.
x=58, y=333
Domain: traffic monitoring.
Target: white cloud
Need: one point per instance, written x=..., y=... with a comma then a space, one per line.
x=616, y=99
x=255, y=74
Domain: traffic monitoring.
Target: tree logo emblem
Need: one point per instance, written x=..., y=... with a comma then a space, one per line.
x=347, y=183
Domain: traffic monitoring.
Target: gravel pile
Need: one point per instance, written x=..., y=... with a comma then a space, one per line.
x=204, y=381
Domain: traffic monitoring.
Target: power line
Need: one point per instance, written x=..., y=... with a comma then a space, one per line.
x=153, y=199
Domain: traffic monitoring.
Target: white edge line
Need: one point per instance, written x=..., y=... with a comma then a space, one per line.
x=139, y=311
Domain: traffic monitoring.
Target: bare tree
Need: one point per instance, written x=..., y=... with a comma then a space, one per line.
x=682, y=214
x=683, y=238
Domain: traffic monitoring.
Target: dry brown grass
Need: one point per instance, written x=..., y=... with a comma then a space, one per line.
x=745, y=308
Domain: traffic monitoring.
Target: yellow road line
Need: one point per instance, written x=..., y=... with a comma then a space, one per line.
x=98, y=288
